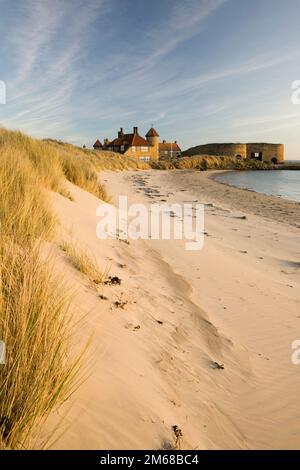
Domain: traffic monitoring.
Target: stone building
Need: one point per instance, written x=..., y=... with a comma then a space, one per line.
x=134, y=145
x=273, y=153
x=266, y=152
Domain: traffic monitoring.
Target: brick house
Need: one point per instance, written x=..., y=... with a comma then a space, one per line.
x=134, y=145
x=169, y=149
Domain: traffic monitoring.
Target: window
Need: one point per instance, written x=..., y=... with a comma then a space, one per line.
x=122, y=148
x=145, y=158
x=166, y=152
x=133, y=149
x=144, y=149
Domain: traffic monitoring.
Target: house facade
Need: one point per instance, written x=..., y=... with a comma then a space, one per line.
x=169, y=150
x=136, y=146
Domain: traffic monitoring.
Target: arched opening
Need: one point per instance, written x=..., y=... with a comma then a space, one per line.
x=274, y=160
x=239, y=157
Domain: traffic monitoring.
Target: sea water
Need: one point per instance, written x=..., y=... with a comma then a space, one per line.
x=281, y=183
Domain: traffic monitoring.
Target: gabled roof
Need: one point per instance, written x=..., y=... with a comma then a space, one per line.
x=130, y=140
x=169, y=146
x=97, y=143
x=152, y=133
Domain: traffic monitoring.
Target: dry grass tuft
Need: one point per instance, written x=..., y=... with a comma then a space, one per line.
x=81, y=260
x=34, y=310
x=44, y=158
x=35, y=325
x=54, y=162
x=25, y=214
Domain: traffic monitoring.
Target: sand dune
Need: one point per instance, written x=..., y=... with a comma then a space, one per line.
x=157, y=336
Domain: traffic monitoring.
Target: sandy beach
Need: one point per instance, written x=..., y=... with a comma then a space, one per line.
x=157, y=335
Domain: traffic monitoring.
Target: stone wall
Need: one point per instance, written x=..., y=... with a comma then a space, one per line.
x=266, y=152
x=261, y=151
x=226, y=150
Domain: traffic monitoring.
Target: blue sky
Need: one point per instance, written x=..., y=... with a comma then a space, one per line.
x=199, y=70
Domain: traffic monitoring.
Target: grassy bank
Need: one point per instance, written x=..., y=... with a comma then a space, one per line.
x=35, y=316
x=34, y=312
x=99, y=160
x=208, y=162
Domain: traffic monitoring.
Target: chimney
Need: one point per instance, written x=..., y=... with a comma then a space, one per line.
x=175, y=141
x=120, y=133
x=164, y=141
x=135, y=130
x=106, y=141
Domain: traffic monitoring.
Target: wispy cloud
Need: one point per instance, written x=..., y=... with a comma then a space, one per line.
x=47, y=73
x=78, y=69
x=185, y=20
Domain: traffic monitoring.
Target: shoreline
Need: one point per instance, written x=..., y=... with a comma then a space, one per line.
x=214, y=177
x=268, y=206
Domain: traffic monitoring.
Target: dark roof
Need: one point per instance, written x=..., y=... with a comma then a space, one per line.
x=97, y=143
x=152, y=133
x=129, y=140
x=169, y=146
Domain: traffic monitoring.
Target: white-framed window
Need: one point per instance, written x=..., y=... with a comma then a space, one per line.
x=166, y=152
x=144, y=149
x=122, y=148
x=133, y=148
x=145, y=158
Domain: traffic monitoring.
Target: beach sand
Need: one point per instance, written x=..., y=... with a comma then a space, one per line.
x=157, y=336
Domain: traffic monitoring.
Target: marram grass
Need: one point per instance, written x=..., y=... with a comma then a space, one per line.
x=84, y=263
x=35, y=317
x=35, y=324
